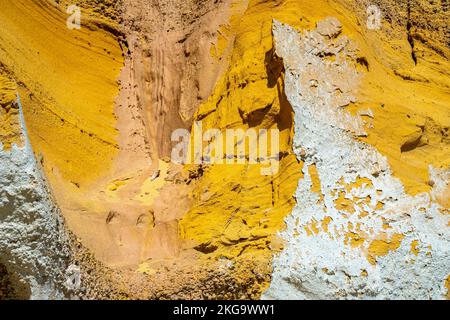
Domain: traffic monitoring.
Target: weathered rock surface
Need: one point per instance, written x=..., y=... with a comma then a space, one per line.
x=34, y=251
x=369, y=142
x=354, y=233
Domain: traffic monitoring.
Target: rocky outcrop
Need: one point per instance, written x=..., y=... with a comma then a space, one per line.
x=363, y=120
x=171, y=70
x=354, y=233
x=34, y=250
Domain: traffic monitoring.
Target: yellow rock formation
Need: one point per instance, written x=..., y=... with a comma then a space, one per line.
x=75, y=105
x=243, y=223
x=67, y=83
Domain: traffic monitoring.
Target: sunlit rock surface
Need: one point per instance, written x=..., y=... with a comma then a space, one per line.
x=363, y=176
x=354, y=233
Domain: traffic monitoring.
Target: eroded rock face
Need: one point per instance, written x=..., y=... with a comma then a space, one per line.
x=158, y=231
x=171, y=70
x=34, y=251
x=354, y=233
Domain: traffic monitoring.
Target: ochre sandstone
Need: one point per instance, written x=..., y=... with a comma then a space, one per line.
x=359, y=205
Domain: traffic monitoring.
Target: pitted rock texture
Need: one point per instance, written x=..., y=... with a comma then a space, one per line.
x=354, y=233
x=34, y=251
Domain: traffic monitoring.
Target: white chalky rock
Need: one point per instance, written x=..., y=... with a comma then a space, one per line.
x=33, y=243
x=385, y=244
